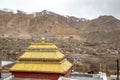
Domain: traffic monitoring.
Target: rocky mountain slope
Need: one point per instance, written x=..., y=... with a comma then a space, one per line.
x=101, y=24
x=46, y=23
x=104, y=29
x=39, y=23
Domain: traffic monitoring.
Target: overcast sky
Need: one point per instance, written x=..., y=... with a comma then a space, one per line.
x=80, y=8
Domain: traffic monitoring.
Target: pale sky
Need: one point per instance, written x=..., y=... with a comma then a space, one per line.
x=79, y=8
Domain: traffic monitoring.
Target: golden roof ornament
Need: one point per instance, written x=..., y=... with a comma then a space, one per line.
x=42, y=40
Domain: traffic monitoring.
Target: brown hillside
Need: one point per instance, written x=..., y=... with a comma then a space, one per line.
x=42, y=23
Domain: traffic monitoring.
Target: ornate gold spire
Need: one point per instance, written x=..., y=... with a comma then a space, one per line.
x=42, y=40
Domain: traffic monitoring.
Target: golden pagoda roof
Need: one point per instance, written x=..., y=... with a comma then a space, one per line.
x=55, y=55
x=42, y=57
x=42, y=46
x=42, y=67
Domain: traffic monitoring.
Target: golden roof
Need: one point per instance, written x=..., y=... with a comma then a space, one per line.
x=42, y=67
x=42, y=46
x=55, y=55
x=42, y=57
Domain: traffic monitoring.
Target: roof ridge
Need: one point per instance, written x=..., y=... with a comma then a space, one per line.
x=63, y=66
x=57, y=54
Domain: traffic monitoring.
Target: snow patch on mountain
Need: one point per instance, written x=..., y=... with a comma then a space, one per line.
x=9, y=10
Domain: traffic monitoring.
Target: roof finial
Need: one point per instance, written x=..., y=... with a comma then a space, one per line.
x=43, y=40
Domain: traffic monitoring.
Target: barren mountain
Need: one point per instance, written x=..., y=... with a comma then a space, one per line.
x=101, y=24
x=24, y=25
x=105, y=29
x=102, y=29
